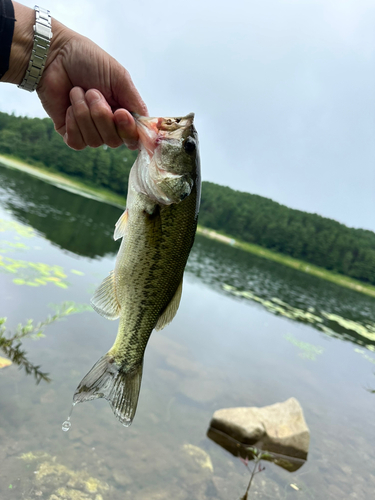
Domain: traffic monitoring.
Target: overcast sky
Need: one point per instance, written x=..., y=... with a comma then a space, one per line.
x=283, y=90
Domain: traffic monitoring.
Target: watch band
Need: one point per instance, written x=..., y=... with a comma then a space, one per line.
x=42, y=37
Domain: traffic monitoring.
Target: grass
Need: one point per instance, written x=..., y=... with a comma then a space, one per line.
x=83, y=188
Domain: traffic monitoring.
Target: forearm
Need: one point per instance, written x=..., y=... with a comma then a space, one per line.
x=21, y=45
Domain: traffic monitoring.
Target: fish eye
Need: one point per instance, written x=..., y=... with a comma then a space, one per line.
x=189, y=145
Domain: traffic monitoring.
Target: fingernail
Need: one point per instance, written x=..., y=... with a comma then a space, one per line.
x=92, y=96
x=65, y=137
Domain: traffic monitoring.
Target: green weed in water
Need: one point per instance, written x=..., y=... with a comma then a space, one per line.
x=20, y=229
x=308, y=351
x=364, y=355
x=78, y=273
x=33, y=273
x=8, y=246
x=323, y=321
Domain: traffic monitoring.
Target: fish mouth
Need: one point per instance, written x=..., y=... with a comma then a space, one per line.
x=152, y=131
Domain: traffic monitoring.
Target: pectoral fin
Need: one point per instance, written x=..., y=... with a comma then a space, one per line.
x=121, y=224
x=105, y=300
x=171, y=309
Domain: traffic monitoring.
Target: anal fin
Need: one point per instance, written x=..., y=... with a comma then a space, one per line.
x=171, y=309
x=105, y=300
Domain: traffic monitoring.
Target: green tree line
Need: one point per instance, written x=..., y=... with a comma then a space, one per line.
x=35, y=141
x=251, y=218
x=309, y=237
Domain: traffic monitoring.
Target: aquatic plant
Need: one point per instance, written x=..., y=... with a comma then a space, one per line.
x=20, y=229
x=365, y=356
x=11, y=344
x=33, y=273
x=8, y=246
x=63, y=483
x=257, y=456
x=308, y=351
x=331, y=324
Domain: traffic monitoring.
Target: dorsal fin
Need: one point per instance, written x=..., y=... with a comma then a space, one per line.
x=105, y=300
x=171, y=309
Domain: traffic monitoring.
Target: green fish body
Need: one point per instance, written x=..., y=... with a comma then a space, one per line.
x=157, y=230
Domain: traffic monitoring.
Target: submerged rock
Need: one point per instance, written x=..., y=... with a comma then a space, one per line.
x=279, y=429
x=201, y=457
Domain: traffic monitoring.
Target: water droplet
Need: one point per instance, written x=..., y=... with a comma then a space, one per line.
x=66, y=425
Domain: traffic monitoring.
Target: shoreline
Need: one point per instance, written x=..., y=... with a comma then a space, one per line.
x=64, y=181
x=103, y=195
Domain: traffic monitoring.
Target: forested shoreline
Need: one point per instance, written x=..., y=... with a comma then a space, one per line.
x=251, y=218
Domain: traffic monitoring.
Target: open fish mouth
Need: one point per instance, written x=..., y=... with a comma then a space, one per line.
x=152, y=131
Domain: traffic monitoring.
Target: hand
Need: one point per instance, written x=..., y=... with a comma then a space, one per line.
x=88, y=94
x=85, y=91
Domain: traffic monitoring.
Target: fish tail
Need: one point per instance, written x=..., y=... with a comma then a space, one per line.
x=120, y=387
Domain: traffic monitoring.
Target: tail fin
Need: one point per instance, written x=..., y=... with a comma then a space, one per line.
x=120, y=388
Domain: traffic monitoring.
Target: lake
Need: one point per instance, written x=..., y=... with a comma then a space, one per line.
x=249, y=332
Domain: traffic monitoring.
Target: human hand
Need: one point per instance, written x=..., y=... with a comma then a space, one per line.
x=85, y=91
x=88, y=94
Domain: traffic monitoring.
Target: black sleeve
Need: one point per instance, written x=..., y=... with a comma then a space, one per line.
x=6, y=33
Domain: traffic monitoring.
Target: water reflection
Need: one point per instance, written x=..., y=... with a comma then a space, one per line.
x=85, y=227
x=234, y=354
x=72, y=222
x=334, y=310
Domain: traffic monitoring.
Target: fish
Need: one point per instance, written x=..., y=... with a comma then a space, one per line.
x=157, y=231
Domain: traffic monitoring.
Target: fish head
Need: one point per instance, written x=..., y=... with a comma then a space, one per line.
x=172, y=147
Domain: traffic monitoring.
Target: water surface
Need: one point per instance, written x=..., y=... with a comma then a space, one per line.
x=249, y=332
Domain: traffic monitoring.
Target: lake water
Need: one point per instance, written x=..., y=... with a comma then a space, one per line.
x=249, y=332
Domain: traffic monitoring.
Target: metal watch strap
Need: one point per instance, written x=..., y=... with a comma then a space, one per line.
x=42, y=37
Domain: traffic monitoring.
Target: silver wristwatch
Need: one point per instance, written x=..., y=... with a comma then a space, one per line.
x=42, y=37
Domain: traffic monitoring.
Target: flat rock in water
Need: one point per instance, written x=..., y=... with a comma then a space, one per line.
x=279, y=428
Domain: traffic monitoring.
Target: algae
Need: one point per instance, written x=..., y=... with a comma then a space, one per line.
x=62, y=483
x=308, y=351
x=322, y=320
x=20, y=229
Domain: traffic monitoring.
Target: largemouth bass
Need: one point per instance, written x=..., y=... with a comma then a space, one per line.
x=157, y=231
